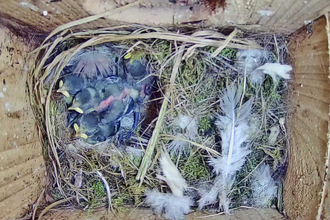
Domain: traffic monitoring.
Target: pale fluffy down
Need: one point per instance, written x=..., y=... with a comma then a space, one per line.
x=209, y=194
x=178, y=145
x=189, y=124
x=249, y=60
x=276, y=70
x=171, y=175
x=263, y=187
x=174, y=207
x=189, y=129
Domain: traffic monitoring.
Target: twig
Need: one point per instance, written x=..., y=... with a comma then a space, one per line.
x=107, y=188
x=277, y=50
x=37, y=204
x=154, y=138
x=222, y=213
x=53, y=205
x=224, y=45
x=245, y=178
x=209, y=150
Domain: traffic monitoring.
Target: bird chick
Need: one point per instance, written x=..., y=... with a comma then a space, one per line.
x=71, y=85
x=115, y=112
x=87, y=125
x=86, y=101
x=136, y=76
x=104, y=132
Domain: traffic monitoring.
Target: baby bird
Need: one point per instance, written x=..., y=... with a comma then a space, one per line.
x=86, y=101
x=115, y=112
x=137, y=76
x=87, y=125
x=71, y=85
x=105, y=131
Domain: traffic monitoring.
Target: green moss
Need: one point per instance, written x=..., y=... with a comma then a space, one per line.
x=98, y=189
x=118, y=203
x=204, y=124
x=229, y=53
x=194, y=168
x=137, y=161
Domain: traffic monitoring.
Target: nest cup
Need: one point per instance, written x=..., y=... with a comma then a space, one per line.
x=167, y=54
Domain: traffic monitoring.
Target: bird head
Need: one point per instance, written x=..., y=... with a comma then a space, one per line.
x=85, y=100
x=76, y=107
x=63, y=89
x=86, y=125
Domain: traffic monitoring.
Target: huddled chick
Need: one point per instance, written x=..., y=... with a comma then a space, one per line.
x=99, y=104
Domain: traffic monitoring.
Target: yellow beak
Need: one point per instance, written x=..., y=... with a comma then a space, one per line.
x=64, y=92
x=82, y=135
x=77, y=109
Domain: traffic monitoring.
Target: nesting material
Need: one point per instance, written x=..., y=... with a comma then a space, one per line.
x=205, y=124
x=264, y=188
x=233, y=127
x=174, y=207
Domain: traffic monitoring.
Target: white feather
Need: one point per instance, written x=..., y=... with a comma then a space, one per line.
x=263, y=186
x=134, y=152
x=189, y=129
x=249, y=60
x=233, y=129
x=189, y=124
x=171, y=175
x=209, y=194
x=174, y=207
x=178, y=145
x=276, y=70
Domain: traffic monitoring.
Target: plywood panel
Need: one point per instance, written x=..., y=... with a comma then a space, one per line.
x=22, y=166
x=308, y=124
x=277, y=16
x=146, y=214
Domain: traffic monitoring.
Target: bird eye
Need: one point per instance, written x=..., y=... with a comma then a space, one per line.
x=61, y=83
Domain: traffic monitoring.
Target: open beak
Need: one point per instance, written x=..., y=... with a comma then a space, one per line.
x=77, y=109
x=82, y=135
x=79, y=134
x=64, y=92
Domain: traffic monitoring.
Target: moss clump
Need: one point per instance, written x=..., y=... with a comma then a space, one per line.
x=204, y=124
x=194, y=168
x=98, y=189
x=229, y=53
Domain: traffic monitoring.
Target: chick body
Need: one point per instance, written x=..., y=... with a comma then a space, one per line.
x=87, y=125
x=86, y=100
x=137, y=76
x=71, y=85
x=104, y=132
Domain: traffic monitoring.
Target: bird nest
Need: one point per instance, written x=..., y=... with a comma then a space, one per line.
x=191, y=70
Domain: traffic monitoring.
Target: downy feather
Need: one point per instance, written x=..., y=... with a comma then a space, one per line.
x=97, y=62
x=263, y=186
x=276, y=70
x=189, y=129
x=171, y=175
x=173, y=206
x=233, y=130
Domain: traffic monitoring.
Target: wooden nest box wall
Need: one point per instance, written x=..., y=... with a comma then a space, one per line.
x=22, y=167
